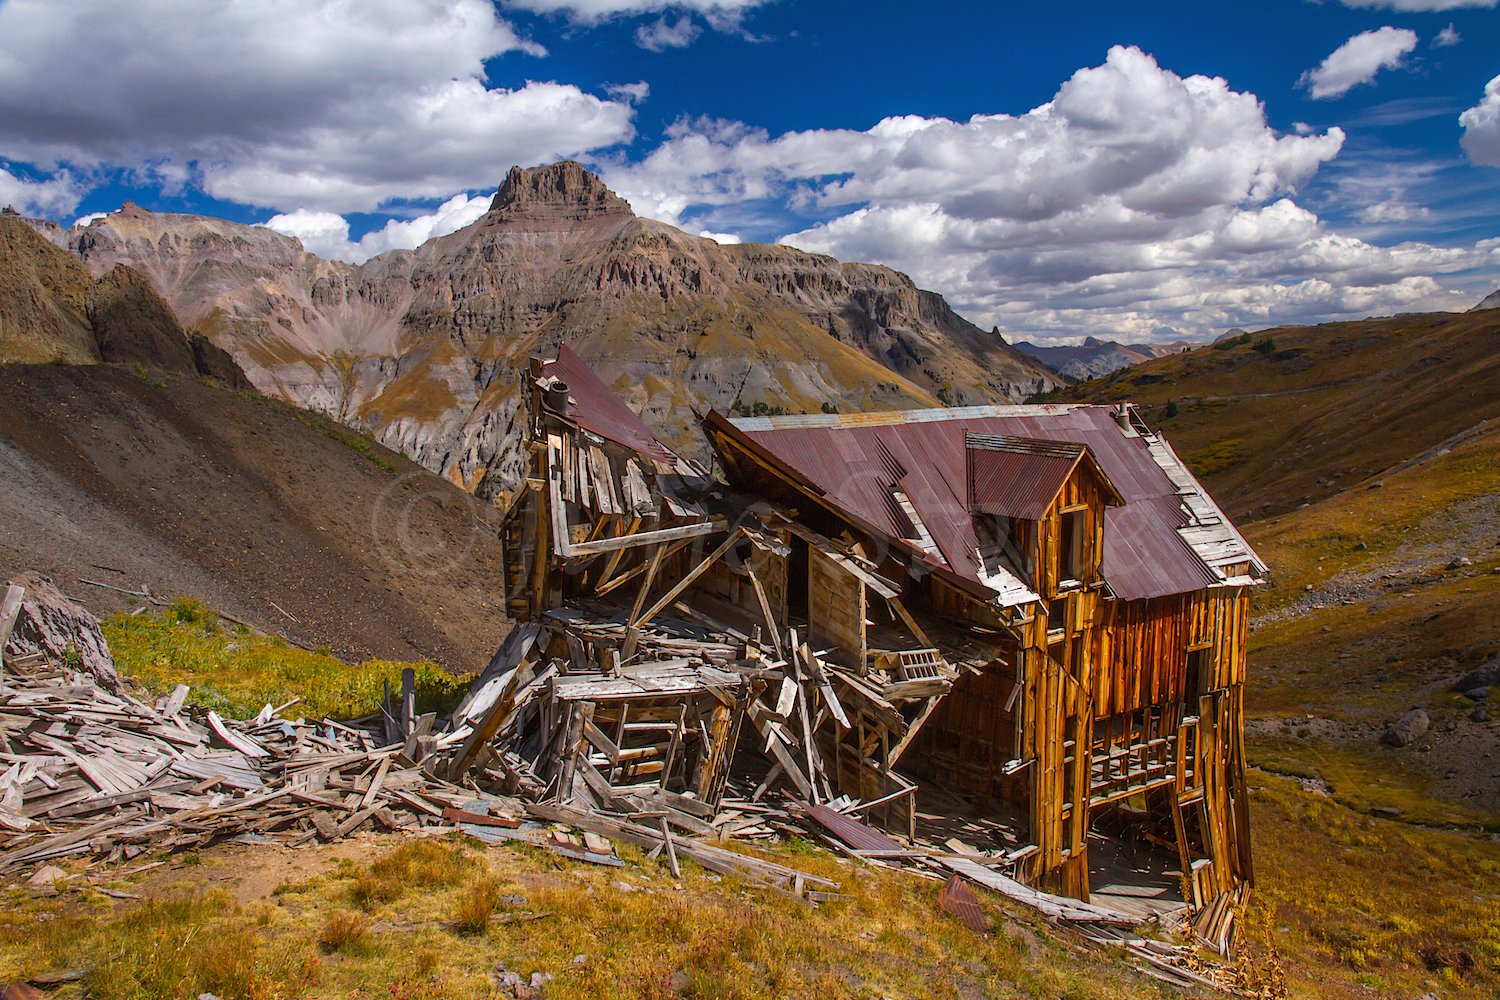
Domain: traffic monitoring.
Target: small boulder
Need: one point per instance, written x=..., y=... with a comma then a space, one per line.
x=46, y=875
x=50, y=622
x=1408, y=729
x=1480, y=714
x=1478, y=694
x=1460, y=562
x=1485, y=675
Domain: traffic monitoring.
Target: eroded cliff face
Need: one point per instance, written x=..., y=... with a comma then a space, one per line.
x=424, y=348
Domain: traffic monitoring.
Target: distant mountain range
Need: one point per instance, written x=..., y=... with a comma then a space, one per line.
x=1099, y=357
x=423, y=349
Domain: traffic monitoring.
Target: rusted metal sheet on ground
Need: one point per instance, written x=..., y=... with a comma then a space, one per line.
x=851, y=831
x=956, y=899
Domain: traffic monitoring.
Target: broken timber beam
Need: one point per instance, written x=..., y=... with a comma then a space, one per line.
x=693, y=574
x=645, y=538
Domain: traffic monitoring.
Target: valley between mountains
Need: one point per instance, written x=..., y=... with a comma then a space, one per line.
x=422, y=348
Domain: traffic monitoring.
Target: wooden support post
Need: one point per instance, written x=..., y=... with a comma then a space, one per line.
x=10, y=608
x=632, y=634
x=807, y=740
x=914, y=728
x=408, y=701
x=671, y=755
x=573, y=745
x=666, y=837
x=614, y=771
x=765, y=610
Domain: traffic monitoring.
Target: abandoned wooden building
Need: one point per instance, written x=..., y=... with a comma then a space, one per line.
x=1037, y=608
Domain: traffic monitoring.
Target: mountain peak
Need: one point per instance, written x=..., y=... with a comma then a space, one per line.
x=562, y=190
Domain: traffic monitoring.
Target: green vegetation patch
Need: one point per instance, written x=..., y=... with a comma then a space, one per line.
x=1215, y=458
x=236, y=673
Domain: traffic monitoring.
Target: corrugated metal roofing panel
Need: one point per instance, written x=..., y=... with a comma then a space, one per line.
x=1013, y=477
x=595, y=408
x=854, y=458
x=1145, y=557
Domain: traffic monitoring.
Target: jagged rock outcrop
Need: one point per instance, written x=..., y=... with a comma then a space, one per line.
x=423, y=348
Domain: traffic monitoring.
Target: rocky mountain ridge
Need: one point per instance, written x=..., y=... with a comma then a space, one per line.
x=1094, y=357
x=423, y=348
x=51, y=310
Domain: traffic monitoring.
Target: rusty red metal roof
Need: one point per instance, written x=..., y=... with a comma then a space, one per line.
x=1017, y=477
x=1144, y=556
x=595, y=408
x=857, y=460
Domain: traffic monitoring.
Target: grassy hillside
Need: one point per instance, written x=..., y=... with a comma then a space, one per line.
x=1300, y=413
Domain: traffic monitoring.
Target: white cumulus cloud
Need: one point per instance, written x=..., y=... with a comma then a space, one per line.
x=1481, y=139
x=1417, y=6
x=632, y=93
x=322, y=105
x=327, y=233
x=660, y=36
x=51, y=196
x=1134, y=198
x=1358, y=60
x=1448, y=36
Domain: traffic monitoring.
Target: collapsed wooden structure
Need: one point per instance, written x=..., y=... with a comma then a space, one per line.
x=1038, y=607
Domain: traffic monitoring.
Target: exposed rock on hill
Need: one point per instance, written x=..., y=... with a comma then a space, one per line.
x=423, y=348
x=51, y=310
x=1490, y=301
x=43, y=300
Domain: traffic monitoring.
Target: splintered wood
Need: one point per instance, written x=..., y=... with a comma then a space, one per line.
x=94, y=773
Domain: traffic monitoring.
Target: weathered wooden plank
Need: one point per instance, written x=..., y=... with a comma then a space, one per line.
x=628, y=541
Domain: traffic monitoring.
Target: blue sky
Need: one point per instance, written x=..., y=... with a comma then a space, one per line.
x=1057, y=170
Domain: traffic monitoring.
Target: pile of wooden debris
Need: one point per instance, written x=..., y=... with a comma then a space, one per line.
x=560, y=743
